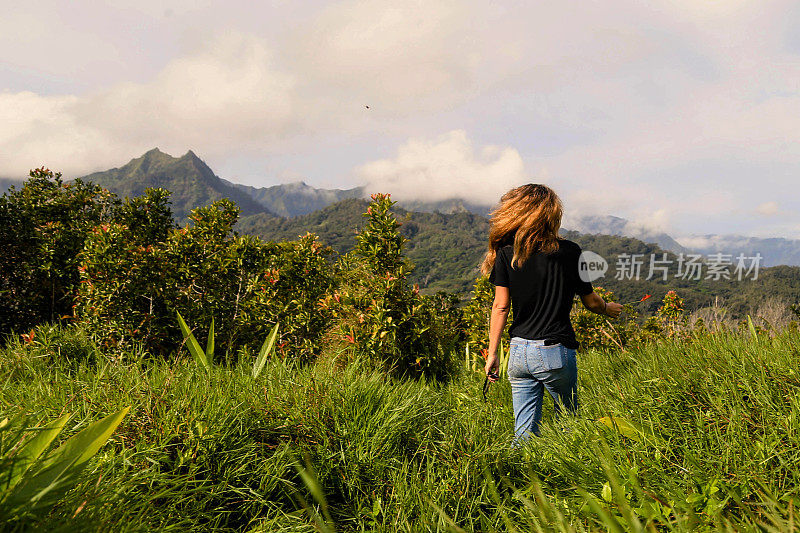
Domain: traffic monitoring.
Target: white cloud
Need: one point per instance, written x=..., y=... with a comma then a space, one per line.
x=396, y=56
x=225, y=97
x=445, y=167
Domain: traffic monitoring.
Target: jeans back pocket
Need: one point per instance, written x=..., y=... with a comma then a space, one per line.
x=552, y=356
x=516, y=360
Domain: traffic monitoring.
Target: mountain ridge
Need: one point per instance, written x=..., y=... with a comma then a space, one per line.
x=296, y=198
x=190, y=180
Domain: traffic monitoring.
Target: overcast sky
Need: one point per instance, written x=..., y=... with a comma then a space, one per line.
x=682, y=115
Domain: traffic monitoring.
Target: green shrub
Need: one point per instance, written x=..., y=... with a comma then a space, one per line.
x=43, y=226
x=295, y=278
x=595, y=331
x=477, y=314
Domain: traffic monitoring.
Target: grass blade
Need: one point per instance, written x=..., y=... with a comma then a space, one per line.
x=752, y=328
x=623, y=426
x=266, y=349
x=192, y=344
x=210, y=344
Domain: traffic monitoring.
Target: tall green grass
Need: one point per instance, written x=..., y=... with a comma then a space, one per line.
x=697, y=435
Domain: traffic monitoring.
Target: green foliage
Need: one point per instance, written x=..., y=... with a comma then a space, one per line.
x=594, y=331
x=599, y=332
x=266, y=349
x=477, y=314
x=672, y=316
x=32, y=483
x=148, y=217
x=288, y=289
x=379, y=243
x=384, y=318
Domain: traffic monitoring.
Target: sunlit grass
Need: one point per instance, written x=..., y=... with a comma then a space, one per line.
x=706, y=436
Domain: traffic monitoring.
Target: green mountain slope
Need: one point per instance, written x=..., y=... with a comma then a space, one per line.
x=447, y=248
x=191, y=181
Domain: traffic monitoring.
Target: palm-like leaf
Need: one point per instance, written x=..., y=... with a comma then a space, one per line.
x=266, y=349
x=43, y=483
x=191, y=343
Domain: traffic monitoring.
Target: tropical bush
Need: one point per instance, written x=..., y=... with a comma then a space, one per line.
x=477, y=314
x=130, y=292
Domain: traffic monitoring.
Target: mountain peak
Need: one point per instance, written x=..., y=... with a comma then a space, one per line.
x=191, y=181
x=155, y=155
x=193, y=160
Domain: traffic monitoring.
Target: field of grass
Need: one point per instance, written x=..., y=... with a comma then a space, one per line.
x=696, y=435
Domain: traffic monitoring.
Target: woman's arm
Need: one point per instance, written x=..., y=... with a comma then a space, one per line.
x=594, y=303
x=497, y=323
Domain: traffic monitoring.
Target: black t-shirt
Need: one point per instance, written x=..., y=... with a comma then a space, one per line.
x=542, y=291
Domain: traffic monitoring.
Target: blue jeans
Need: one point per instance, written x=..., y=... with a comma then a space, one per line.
x=533, y=367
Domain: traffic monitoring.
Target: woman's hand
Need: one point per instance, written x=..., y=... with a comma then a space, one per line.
x=491, y=367
x=594, y=303
x=613, y=309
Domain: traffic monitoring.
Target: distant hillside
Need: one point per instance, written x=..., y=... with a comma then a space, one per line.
x=776, y=250
x=450, y=206
x=298, y=198
x=336, y=225
x=447, y=248
x=191, y=181
x=444, y=247
x=7, y=183
x=611, y=225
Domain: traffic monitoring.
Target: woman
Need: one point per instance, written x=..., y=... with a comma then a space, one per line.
x=536, y=273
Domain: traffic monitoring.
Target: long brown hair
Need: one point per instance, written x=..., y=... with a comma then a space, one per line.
x=528, y=217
